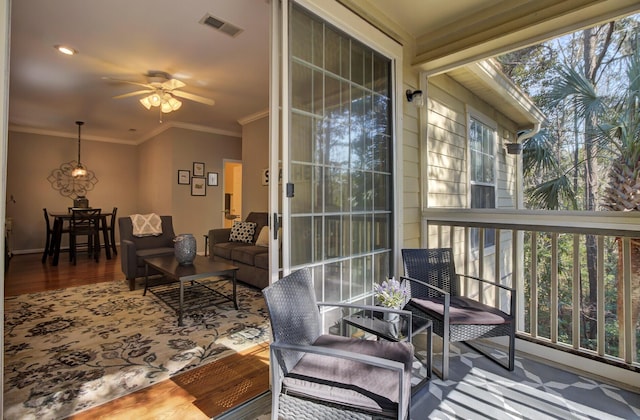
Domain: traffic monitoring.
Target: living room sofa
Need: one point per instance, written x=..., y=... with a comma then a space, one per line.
x=251, y=259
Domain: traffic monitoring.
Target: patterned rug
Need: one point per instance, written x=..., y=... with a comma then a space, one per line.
x=71, y=349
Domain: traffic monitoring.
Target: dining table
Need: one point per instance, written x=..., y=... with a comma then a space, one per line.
x=60, y=218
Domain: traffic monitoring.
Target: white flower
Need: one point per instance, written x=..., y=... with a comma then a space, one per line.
x=390, y=293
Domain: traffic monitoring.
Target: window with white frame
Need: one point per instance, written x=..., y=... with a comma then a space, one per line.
x=482, y=170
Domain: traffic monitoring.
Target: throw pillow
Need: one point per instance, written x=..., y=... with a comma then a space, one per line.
x=146, y=224
x=242, y=232
x=263, y=237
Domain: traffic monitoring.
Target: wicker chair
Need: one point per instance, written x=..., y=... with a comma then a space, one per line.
x=435, y=294
x=328, y=374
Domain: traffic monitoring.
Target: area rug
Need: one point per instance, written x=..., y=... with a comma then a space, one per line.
x=71, y=349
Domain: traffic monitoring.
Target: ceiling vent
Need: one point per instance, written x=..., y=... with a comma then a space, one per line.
x=220, y=25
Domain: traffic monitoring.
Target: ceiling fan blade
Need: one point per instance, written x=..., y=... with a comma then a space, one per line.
x=192, y=97
x=137, y=92
x=129, y=82
x=173, y=84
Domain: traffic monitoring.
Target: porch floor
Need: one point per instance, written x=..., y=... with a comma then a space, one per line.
x=478, y=388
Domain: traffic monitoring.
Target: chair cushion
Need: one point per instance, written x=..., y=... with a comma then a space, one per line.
x=263, y=237
x=242, y=232
x=352, y=383
x=463, y=310
x=247, y=254
x=262, y=260
x=141, y=254
x=260, y=219
x=224, y=249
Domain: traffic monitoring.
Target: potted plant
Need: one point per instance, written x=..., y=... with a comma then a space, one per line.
x=391, y=294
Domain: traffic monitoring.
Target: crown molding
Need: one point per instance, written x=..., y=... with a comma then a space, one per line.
x=253, y=117
x=164, y=127
x=66, y=135
x=186, y=126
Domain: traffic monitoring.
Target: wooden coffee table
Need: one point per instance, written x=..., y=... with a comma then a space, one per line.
x=202, y=267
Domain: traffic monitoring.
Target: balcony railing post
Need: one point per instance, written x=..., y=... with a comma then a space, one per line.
x=533, y=286
x=601, y=297
x=517, y=275
x=554, y=288
x=576, y=294
x=497, y=266
x=627, y=295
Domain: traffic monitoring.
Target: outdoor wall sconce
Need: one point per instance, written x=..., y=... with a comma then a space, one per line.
x=415, y=97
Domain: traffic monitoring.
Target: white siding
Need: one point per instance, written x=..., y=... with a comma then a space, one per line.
x=447, y=161
x=411, y=176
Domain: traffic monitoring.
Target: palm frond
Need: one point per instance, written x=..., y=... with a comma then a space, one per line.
x=575, y=86
x=549, y=194
x=538, y=155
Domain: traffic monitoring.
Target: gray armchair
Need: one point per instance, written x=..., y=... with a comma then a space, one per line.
x=434, y=290
x=328, y=375
x=135, y=249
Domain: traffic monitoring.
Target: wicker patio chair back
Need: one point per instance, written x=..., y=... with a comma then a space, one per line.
x=434, y=266
x=294, y=313
x=455, y=317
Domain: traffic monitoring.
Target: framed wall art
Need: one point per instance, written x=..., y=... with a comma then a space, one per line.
x=198, y=169
x=212, y=179
x=198, y=186
x=184, y=177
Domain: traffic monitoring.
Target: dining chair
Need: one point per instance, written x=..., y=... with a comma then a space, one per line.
x=434, y=293
x=48, y=245
x=50, y=239
x=330, y=376
x=84, y=222
x=110, y=229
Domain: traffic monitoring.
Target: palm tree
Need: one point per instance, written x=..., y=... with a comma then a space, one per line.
x=622, y=192
x=613, y=133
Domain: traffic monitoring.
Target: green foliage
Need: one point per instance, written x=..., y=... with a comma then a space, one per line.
x=549, y=194
x=592, y=106
x=542, y=277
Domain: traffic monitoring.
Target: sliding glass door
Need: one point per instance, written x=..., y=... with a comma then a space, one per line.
x=337, y=154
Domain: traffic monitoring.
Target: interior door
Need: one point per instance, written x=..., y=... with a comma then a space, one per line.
x=232, y=204
x=334, y=140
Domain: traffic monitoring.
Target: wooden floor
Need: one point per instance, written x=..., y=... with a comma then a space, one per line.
x=197, y=394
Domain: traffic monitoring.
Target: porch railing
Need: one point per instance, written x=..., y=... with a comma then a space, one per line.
x=577, y=274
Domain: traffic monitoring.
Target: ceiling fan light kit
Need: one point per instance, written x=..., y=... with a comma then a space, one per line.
x=162, y=91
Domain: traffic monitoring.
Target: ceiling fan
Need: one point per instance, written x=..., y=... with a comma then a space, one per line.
x=161, y=91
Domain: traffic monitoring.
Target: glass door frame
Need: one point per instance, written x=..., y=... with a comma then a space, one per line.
x=279, y=116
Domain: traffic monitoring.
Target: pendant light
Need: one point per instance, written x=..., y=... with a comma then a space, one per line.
x=79, y=170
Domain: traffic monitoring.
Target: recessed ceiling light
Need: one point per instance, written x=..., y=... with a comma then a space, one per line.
x=65, y=50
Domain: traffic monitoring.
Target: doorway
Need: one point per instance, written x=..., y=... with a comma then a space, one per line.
x=232, y=181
